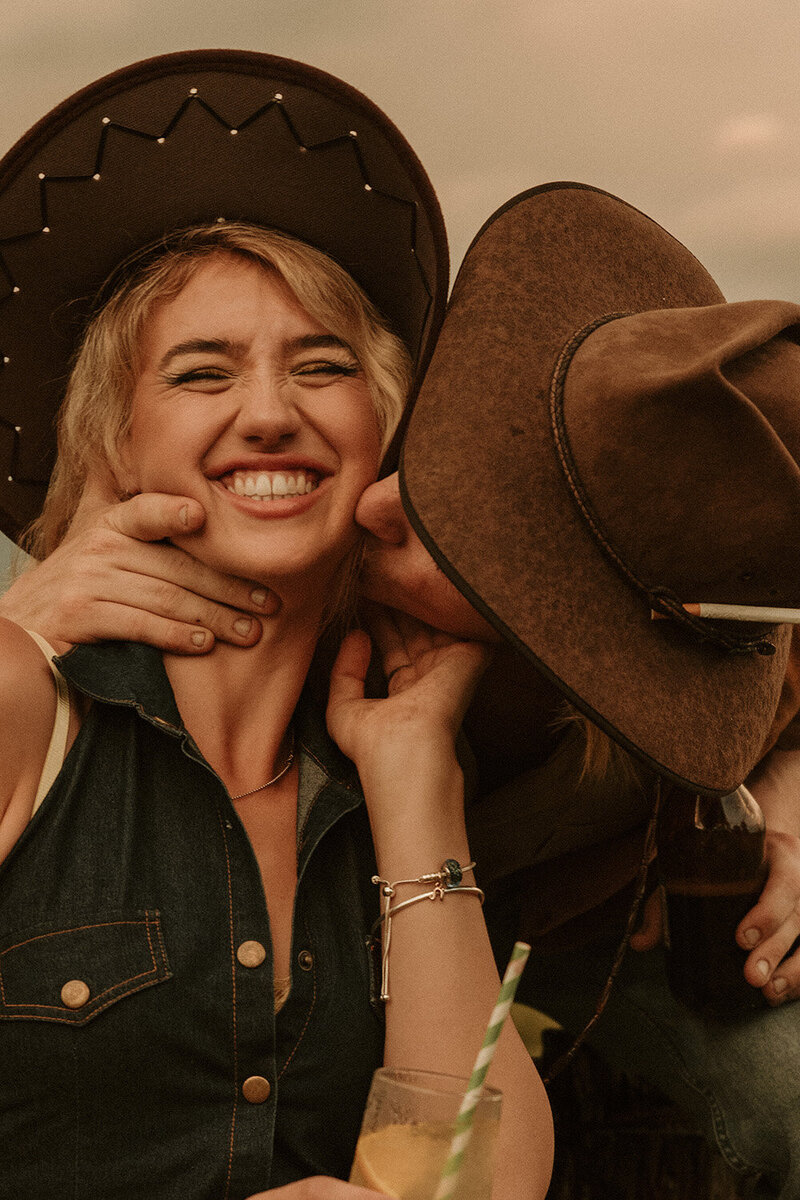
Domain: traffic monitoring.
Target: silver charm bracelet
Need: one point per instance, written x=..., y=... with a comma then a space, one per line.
x=446, y=882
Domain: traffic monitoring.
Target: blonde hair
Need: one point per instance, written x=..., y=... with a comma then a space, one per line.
x=603, y=758
x=95, y=415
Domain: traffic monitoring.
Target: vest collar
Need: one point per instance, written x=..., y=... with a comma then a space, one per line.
x=133, y=674
x=123, y=673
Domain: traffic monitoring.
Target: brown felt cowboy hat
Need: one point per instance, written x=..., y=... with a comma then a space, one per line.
x=599, y=435
x=176, y=141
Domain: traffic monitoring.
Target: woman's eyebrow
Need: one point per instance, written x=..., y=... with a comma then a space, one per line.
x=202, y=346
x=317, y=341
x=236, y=350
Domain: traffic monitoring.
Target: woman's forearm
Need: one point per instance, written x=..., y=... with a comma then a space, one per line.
x=443, y=982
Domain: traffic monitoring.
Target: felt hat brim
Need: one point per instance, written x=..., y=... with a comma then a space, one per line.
x=483, y=486
x=181, y=140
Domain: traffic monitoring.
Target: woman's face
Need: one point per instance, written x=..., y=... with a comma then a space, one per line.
x=247, y=404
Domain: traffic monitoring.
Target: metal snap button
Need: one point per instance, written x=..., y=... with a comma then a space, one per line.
x=256, y=1089
x=251, y=954
x=306, y=960
x=74, y=994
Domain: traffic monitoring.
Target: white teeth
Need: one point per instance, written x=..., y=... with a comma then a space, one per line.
x=265, y=486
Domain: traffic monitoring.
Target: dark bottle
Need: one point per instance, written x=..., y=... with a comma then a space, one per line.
x=712, y=867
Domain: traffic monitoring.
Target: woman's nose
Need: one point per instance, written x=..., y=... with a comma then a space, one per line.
x=380, y=511
x=266, y=412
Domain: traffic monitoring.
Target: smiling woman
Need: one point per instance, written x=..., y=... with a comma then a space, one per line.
x=188, y=846
x=330, y=311
x=257, y=407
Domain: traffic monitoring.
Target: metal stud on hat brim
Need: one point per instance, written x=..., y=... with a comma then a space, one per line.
x=568, y=274
x=182, y=139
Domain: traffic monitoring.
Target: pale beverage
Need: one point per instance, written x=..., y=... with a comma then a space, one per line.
x=406, y=1135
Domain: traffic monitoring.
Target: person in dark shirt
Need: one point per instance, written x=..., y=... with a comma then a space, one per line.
x=189, y=904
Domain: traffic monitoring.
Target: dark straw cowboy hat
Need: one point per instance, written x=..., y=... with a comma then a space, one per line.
x=597, y=436
x=172, y=142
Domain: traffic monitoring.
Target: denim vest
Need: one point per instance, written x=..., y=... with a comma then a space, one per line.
x=140, y=1054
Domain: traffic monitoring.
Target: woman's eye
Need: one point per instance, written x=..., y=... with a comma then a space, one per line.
x=198, y=375
x=326, y=368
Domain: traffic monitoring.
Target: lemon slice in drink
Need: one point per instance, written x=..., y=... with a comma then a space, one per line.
x=402, y=1161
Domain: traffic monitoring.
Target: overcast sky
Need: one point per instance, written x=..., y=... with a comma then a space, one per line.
x=688, y=109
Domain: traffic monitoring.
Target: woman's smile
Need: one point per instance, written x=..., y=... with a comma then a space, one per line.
x=274, y=486
x=271, y=485
x=271, y=495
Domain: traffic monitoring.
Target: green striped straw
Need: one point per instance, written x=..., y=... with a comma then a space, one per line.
x=466, y=1114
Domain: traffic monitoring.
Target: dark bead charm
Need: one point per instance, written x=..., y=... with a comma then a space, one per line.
x=452, y=870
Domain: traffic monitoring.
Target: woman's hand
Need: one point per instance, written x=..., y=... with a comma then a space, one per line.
x=431, y=678
x=320, y=1187
x=115, y=577
x=404, y=745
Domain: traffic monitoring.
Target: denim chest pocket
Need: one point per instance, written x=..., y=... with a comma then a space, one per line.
x=71, y=973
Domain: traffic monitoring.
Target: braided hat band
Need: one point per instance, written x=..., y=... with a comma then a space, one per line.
x=659, y=597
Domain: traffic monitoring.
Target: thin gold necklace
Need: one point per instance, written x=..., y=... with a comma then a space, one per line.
x=275, y=778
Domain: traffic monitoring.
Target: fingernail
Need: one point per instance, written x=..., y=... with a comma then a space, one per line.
x=258, y=596
x=762, y=968
x=751, y=937
x=183, y=513
x=243, y=625
x=779, y=985
x=199, y=637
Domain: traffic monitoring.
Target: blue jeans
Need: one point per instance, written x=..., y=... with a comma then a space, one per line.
x=740, y=1081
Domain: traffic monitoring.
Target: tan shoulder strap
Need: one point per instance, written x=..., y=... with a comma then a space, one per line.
x=58, y=739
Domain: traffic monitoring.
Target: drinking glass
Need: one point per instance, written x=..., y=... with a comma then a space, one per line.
x=406, y=1134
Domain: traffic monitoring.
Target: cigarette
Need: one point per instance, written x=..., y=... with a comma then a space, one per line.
x=738, y=612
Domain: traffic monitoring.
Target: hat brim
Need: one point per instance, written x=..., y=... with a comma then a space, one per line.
x=479, y=438
x=177, y=141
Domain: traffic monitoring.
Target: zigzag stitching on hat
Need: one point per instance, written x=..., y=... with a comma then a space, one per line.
x=109, y=125
x=660, y=598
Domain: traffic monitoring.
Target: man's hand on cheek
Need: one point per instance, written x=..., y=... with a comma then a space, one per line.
x=115, y=577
